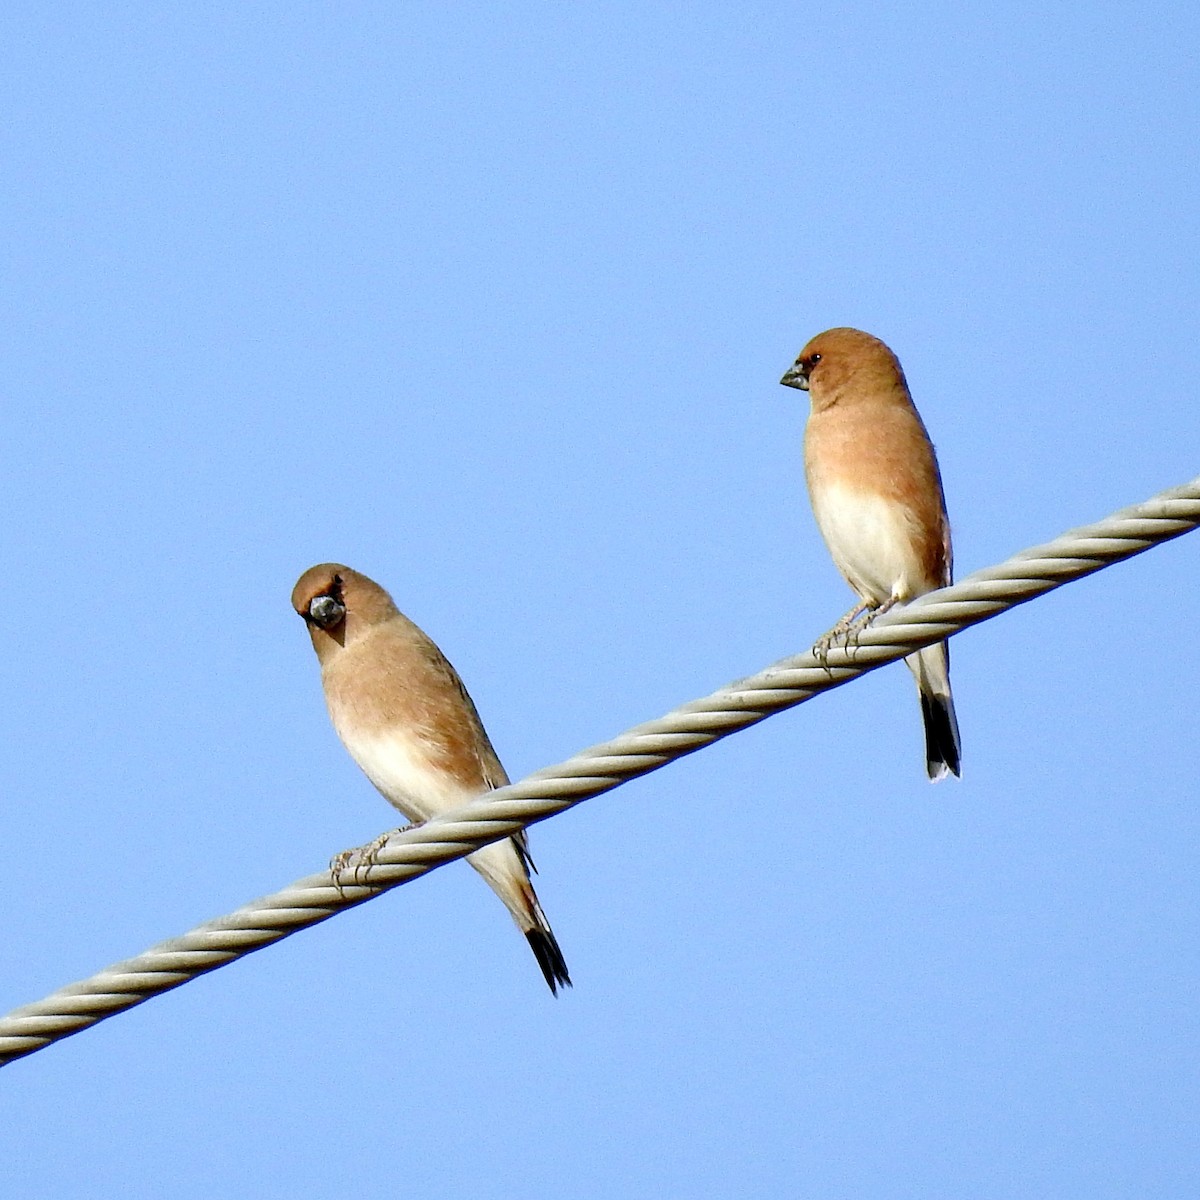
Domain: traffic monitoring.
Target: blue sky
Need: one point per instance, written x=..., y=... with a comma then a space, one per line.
x=491, y=302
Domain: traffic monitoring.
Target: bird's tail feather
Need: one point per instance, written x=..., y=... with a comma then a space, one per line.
x=943, y=754
x=544, y=944
x=503, y=865
x=943, y=749
x=549, y=957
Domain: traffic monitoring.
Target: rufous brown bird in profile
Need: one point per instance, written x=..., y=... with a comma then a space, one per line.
x=877, y=496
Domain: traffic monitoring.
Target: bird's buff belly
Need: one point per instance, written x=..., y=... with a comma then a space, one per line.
x=871, y=540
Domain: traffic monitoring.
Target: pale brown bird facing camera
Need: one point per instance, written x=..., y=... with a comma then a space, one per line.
x=406, y=719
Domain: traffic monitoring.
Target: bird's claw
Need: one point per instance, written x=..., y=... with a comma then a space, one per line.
x=845, y=633
x=361, y=858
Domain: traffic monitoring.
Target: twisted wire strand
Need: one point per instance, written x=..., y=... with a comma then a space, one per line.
x=412, y=852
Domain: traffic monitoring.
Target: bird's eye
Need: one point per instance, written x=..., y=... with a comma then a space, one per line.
x=813, y=359
x=325, y=612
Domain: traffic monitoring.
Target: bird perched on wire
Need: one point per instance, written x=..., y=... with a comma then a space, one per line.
x=877, y=496
x=406, y=719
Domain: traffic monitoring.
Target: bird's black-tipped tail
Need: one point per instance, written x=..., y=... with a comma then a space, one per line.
x=943, y=752
x=542, y=941
x=505, y=865
x=549, y=957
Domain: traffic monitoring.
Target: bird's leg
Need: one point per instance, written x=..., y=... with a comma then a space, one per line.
x=337, y=868
x=887, y=605
x=361, y=858
x=870, y=614
x=841, y=631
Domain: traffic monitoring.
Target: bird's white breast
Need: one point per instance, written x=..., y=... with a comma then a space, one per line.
x=397, y=763
x=872, y=541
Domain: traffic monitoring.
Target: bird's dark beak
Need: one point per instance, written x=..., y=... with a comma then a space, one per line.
x=325, y=612
x=796, y=376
